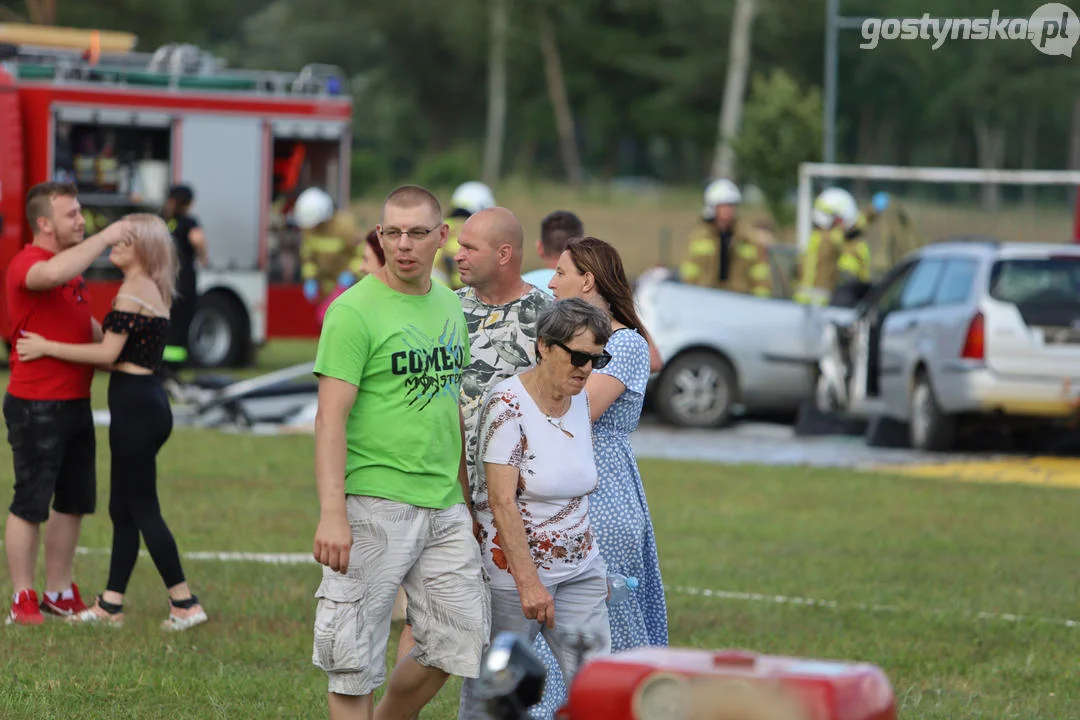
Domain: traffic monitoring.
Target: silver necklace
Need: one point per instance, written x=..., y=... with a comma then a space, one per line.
x=556, y=423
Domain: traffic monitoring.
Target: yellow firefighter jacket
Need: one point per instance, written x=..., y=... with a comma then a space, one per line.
x=899, y=236
x=746, y=262
x=830, y=258
x=445, y=269
x=329, y=249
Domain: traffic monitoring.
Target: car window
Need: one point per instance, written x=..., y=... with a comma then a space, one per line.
x=956, y=282
x=1024, y=280
x=888, y=295
x=921, y=284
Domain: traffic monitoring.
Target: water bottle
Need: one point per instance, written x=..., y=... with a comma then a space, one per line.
x=619, y=587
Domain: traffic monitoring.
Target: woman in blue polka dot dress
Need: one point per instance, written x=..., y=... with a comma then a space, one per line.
x=592, y=269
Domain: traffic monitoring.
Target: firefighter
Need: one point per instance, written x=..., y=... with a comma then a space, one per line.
x=330, y=255
x=899, y=236
x=836, y=251
x=725, y=251
x=468, y=198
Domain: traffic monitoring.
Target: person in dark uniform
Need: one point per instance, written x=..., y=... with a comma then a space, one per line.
x=191, y=249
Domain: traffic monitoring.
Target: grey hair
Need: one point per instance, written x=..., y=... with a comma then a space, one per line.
x=563, y=319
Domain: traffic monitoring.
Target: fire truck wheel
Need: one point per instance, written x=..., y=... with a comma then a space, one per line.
x=218, y=336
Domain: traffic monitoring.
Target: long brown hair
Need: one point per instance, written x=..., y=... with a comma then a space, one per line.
x=595, y=256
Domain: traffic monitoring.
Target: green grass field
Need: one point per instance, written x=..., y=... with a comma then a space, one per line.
x=935, y=554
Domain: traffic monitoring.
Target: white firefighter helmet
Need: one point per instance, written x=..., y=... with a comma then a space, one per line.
x=473, y=196
x=720, y=192
x=835, y=203
x=313, y=207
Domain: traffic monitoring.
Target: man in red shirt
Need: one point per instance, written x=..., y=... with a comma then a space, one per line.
x=47, y=404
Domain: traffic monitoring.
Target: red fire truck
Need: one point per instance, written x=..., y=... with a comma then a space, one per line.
x=82, y=106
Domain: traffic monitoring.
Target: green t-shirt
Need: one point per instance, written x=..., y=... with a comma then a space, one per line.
x=405, y=354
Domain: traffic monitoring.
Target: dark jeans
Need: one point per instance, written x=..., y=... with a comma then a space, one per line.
x=54, y=450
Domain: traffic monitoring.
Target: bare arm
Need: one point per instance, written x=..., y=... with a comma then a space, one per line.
x=197, y=238
x=536, y=601
x=333, y=536
x=32, y=346
x=603, y=390
x=103, y=352
x=656, y=363
x=71, y=263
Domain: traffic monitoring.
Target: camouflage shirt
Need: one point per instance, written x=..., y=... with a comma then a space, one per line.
x=503, y=342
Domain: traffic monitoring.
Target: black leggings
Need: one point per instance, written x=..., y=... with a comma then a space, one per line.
x=140, y=423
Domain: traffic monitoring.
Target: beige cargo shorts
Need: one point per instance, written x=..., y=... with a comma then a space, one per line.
x=430, y=553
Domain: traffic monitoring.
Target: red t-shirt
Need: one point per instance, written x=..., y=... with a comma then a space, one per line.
x=61, y=314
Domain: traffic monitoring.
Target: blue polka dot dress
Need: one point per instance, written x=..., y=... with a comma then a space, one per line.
x=619, y=515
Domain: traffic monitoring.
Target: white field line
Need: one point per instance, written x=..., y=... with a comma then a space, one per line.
x=306, y=558
x=863, y=607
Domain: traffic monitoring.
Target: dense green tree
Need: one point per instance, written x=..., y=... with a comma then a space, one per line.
x=781, y=128
x=643, y=81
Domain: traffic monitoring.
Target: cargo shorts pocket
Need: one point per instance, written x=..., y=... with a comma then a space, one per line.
x=341, y=641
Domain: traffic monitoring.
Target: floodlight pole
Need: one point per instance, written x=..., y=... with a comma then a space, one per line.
x=834, y=23
x=829, y=124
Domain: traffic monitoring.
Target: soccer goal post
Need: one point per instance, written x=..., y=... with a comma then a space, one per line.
x=1051, y=198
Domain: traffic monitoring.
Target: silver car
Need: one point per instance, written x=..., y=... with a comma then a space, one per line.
x=959, y=332
x=726, y=352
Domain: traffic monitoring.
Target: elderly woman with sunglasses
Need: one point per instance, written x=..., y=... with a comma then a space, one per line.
x=535, y=471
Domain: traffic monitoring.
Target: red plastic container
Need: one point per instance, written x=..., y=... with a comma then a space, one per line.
x=682, y=684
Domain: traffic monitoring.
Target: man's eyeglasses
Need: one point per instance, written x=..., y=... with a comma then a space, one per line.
x=413, y=233
x=579, y=358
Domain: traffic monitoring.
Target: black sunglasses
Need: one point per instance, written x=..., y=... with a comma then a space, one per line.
x=579, y=359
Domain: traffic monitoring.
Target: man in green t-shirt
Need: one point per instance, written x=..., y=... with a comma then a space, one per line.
x=390, y=469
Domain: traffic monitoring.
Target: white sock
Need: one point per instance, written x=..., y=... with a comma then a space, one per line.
x=68, y=594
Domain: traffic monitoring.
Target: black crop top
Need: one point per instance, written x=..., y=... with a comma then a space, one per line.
x=146, y=337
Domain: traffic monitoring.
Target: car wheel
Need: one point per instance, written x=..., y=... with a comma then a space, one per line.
x=218, y=332
x=929, y=428
x=697, y=390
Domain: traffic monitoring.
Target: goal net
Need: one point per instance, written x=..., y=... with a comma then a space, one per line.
x=928, y=204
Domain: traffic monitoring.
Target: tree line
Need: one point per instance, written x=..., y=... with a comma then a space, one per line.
x=581, y=90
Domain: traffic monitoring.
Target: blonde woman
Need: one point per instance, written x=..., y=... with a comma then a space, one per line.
x=141, y=420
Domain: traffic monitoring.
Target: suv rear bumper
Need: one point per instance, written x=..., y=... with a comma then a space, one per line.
x=981, y=390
